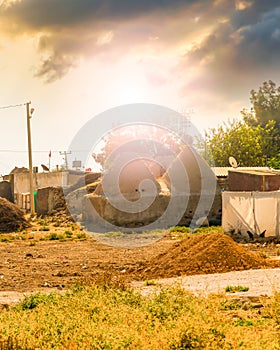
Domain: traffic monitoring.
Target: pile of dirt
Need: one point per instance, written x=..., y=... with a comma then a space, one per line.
x=202, y=254
x=11, y=217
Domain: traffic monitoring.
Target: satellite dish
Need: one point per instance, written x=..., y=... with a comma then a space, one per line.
x=233, y=162
x=45, y=168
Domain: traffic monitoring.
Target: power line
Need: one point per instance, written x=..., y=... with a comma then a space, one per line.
x=39, y=151
x=13, y=106
x=16, y=151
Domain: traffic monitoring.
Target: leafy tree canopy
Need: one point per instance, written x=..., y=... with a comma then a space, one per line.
x=250, y=145
x=266, y=103
x=255, y=140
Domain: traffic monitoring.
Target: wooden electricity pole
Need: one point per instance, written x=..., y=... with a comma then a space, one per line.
x=31, y=188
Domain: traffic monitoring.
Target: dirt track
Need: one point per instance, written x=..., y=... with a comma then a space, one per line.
x=37, y=265
x=263, y=282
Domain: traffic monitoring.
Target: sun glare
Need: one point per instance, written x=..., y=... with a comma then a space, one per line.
x=132, y=92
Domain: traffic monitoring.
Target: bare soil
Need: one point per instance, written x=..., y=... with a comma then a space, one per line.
x=32, y=264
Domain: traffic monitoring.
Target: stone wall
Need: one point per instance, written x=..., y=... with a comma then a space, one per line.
x=50, y=199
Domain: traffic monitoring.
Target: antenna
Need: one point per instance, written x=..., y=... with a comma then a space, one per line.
x=233, y=162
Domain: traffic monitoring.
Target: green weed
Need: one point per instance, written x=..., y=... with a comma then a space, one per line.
x=150, y=283
x=106, y=316
x=234, y=289
x=81, y=235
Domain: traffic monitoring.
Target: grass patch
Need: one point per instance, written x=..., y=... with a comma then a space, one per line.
x=181, y=232
x=68, y=233
x=150, y=283
x=102, y=316
x=235, y=289
x=81, y=235
x=208, y=230
x=263, y=255
x=42, y=222
x=182, y=229
x=53, y=236
x=113, y=234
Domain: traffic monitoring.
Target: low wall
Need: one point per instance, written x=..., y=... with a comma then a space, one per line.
x=96, y=207
x=21, y=180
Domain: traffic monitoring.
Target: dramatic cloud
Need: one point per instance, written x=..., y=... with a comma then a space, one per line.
x=243, y=50
x=41, y=13
x=67, y=30
x=217, y=42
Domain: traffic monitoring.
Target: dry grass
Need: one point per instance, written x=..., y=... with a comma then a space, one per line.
x=106, y=316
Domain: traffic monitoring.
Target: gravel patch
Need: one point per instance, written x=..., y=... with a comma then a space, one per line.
x=262, y=282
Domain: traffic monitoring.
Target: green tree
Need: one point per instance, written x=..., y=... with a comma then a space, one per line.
x=254, y=141
x=274, y=162
x=250, y=145
x=266, y=103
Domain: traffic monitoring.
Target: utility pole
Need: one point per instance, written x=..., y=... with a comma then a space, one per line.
x=31, y=188
x=64, y=153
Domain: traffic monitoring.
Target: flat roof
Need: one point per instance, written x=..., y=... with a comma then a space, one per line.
x=223, y=171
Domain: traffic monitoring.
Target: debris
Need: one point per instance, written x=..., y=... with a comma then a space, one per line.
x=11, y=217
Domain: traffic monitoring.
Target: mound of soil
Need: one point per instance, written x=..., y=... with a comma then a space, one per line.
x=202, y=254
x=11, y=217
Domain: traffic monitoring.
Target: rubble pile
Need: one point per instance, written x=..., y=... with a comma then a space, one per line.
x=11, y=217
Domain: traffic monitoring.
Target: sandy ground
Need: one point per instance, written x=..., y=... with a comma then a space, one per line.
x=264, y=282
x=261, y=283
x=32, y=264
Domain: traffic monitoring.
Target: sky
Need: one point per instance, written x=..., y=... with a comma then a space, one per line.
x=74, y=59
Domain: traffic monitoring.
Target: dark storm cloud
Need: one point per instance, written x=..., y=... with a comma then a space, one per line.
x=260, y=41
x=252, y=14
x=40, y=13
x=243, y=51
x=248, y=42
x=70, y=29
x=55, y=68
x=242, y=40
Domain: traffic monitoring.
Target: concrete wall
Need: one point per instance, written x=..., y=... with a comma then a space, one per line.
x=40, y=180
x=21, y=181
x=93, y=204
